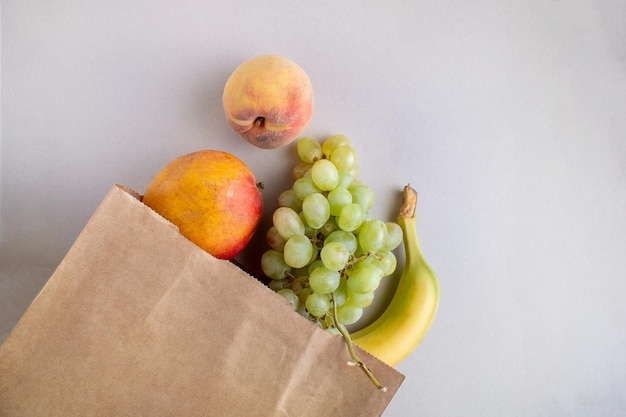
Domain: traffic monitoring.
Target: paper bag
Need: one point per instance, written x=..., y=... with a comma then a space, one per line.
x=138, y=321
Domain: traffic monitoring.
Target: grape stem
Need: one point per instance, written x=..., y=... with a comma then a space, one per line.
x=355, y=359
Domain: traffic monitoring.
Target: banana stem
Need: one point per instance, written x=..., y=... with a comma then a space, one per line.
x=355, y=359
x=409, y=202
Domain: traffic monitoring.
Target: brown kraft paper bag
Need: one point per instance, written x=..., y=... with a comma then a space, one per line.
x=138, y=321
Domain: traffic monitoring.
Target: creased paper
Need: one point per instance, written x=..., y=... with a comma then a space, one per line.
x=138, y=321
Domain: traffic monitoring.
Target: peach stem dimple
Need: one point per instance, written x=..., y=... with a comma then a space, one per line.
x=259, y=121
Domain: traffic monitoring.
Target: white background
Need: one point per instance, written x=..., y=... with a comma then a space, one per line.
x=508, y=117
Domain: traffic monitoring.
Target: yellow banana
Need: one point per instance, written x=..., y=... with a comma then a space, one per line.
x=405, y=321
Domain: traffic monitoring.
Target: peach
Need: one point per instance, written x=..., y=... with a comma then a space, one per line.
x=268, y=100
x=212, y=197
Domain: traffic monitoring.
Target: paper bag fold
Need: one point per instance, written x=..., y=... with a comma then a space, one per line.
x=138, y=321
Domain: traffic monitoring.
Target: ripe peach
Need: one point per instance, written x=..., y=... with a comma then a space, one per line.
x=212, y=197
x=268, y=100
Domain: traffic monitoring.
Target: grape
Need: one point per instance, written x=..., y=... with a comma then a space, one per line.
x=316, y=210
x=309, y=150
x=315, y=264
x=334, y=255
x=298, y=251
x=354, y=172
x=357, y=299
x=394, y=236
x=290, y=296
x=364, y=277
x=351, y=217
x=305, y=186
x=348, y=315
x=372, y=235
x=308, y=230
x=324, y=280
x=314, y=256
x=373, y=261
x=332, y=330
x=388, y=262
x=337, y=199
x=324, y=175
x=273, y=264
x=278, y=284
x=274, y=239
x=288, y=198
x=287, y=222
x=343, y=157
x=303, y=294
x=362, y=195
x=341, y=293
x=359, y=252
x=329, y=227
x=301, y=170
x=345, y=178
x=346, y=238
x=301, y=274
x=318, y=304
x=333, y=142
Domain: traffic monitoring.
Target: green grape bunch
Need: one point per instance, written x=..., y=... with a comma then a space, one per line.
x=327, y=255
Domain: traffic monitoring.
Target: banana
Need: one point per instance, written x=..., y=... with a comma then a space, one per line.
x=409, y=315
